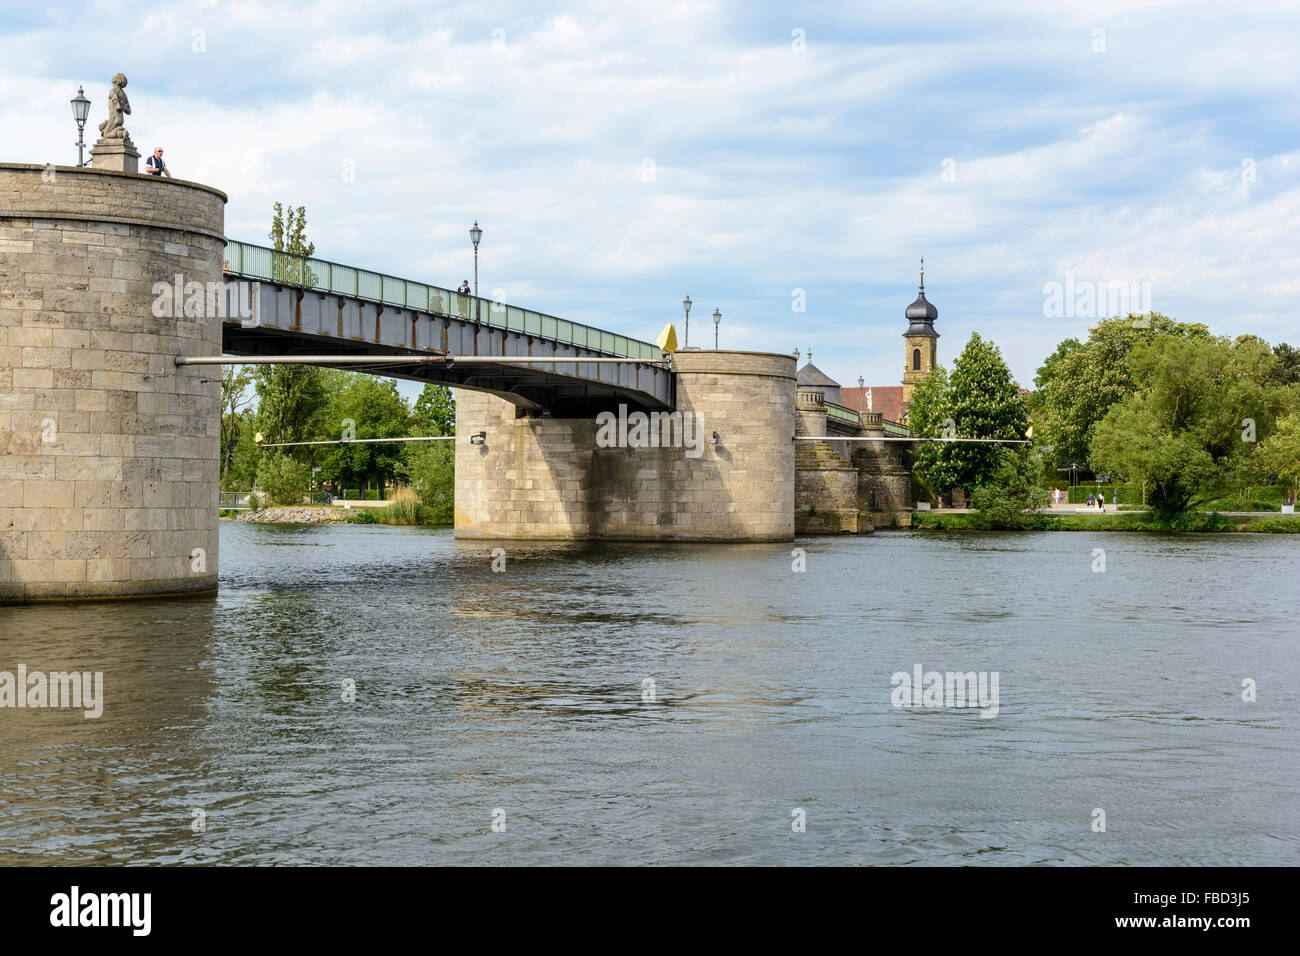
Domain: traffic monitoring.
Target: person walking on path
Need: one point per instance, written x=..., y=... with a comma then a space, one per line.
x=1101, y=501
x=155, y=166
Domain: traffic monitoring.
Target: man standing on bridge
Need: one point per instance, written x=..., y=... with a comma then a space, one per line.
x=155, y=166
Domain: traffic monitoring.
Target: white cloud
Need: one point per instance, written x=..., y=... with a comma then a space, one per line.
x=772, y=168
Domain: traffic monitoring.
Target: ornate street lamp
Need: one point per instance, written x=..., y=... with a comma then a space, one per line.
x=686, y=338
x=717, y=320
x=861, y=393
x=475, y=234
x=80, y=110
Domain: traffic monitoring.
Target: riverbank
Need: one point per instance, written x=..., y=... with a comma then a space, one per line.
x=330, y=515
x=1201, y=522
x=290, y=515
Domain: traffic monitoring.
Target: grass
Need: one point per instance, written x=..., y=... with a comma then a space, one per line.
x=405, y=508
x=1290, y=524
x=1199, y=522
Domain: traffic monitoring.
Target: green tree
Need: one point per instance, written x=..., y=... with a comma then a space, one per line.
x=1014, y=493
x=980, y=400
x=1048, y=371
x=1279, y=452
x=1187, y=431
x=242, y=471
x=1080, y=383
x=235, y=380
x=363, y=406
x=284, y=480
x=435, y=410
x=925, y=417
x=1287, y=368
x=291, y=404
x=292, y=248
x=430, y=467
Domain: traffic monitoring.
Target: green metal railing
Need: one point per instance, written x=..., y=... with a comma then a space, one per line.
x=848, y=415
x=261, y=262
x=840, y=413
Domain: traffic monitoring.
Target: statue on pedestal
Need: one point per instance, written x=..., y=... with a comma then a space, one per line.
x=118, y=106
x=115, y=150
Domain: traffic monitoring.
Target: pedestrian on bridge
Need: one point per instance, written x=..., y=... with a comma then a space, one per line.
x=464, y=287
x=155, y=166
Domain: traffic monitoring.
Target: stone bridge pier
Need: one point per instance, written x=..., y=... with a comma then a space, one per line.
x=108, y=451
x=561, y=478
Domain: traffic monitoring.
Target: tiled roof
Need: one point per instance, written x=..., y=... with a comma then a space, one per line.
x=810, y=374
x=886, y=399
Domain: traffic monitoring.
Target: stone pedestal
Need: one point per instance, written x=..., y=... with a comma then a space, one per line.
x=109, y=451
x=117, y=155
x=549, y=478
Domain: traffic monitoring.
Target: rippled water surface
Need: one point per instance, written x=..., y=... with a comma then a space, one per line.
x=523, y=691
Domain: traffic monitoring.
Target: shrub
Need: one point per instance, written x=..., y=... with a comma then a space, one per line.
x=431, y=469
x=1013, y=496
x=1289, y=524
x=284, y=480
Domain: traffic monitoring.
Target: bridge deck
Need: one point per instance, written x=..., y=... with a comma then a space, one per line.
x=314, y=306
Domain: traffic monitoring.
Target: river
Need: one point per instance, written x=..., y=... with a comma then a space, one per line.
x=661, y=704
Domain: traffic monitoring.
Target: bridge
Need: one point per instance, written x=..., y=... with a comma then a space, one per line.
x=310, y=306
x=110, y=434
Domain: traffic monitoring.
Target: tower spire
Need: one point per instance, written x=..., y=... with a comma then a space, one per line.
x=923, y=273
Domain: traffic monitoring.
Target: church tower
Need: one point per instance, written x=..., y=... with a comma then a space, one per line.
x=922, y=341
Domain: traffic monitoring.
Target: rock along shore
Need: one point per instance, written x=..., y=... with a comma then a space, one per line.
x=291, y=515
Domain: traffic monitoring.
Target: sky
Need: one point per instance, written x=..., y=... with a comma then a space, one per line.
x=786, y=164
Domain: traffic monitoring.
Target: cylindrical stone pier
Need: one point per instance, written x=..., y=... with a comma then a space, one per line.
x=109, y=452
x=550, y=477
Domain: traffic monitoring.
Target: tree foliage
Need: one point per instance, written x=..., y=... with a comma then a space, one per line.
x=1187, y=431
x=292, y=248
x=978, y=400
x=281, y=478
x=925, y=417
x=1079, y=383
x=430, y=467
x=235, y=382
x=1286, y=370
x=1279, y=453
x=435, y=410
x=291, y=402
x=1014, y=493
x=363, y=406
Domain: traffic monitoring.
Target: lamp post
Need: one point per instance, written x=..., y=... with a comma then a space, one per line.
x=80, y=110
x=717, y=320
x=475, y=234
x=686, y=338
x=861, y=392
